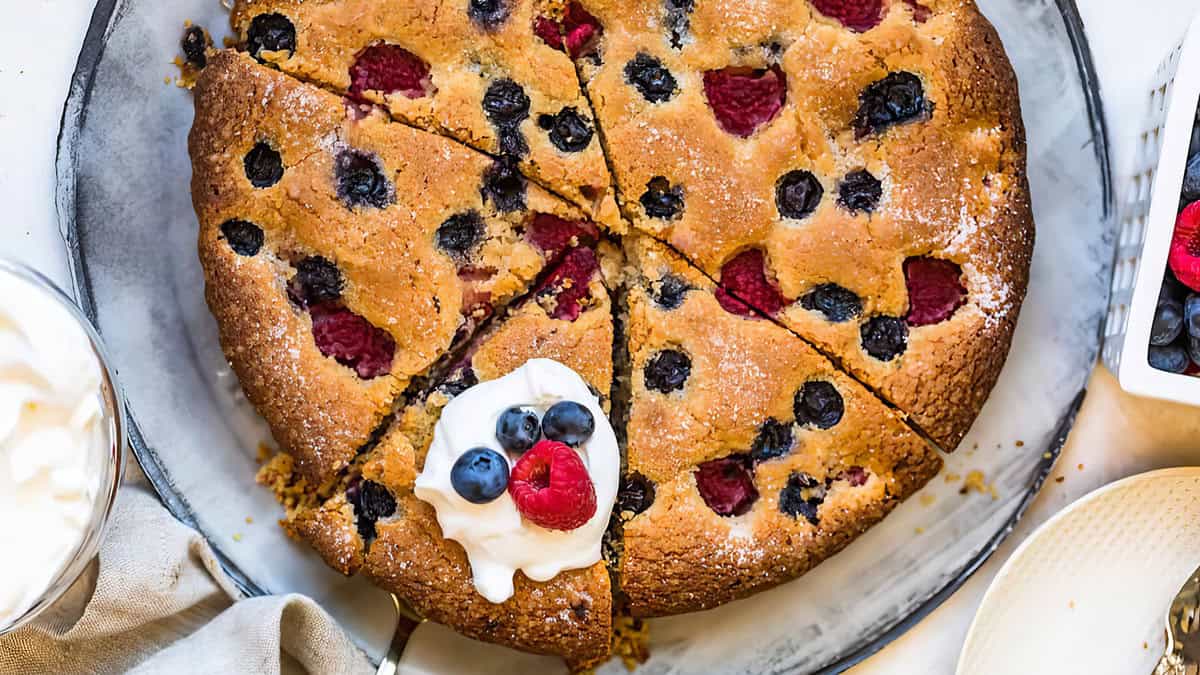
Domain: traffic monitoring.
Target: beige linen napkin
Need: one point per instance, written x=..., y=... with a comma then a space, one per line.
x=156, y=601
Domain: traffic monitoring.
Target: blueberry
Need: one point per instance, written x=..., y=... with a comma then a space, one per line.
x=244, y=237
x=635, y=494
x=1171, y=288
x=650, y=77
x=460, y=233
x=819, y=404
x=884, y=337
x=463, y=380
x=194, y=43
x=662, y=200
x=669, y=292
x=488, y=13
x=480, y=475
x=270, y=33
x=797, y=194
x=801, y=496
x=897, y=98
x=1191, y=315
x=667, y=371
x=837, y=304
x=263, y=165
x=1193, y=348
x=371, y=502
x=361, y=181
x=317, y=280
x=568, y=130
x=774, y=440
x=859, y=191
x=1194, y=146
x=504, y=186
x=1191, y=180
x=518, y=429
x=1172, y=358
x=568, y=422
x=1168, y=323
x=505, y=103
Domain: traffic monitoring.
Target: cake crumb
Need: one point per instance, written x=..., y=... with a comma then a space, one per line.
x=1046, y=455
x=630, y=641
x=1079, y=466
x=1145, y=645
x=264, y=453
x=927, y=499
x=975, y=481
x=249, y=520
x=1071, y=604
x=953, y=478
x=237, y=536
x=1060, y=479
x=1021, y=444
x=919, y=530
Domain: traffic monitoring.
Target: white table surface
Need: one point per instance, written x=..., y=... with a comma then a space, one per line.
x=1116, y=435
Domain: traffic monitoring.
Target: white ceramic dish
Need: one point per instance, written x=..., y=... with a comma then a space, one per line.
x=1088, y=591
x=1147, y=220
x=111, y=460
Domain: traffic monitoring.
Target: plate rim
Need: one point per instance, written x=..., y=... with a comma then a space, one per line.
x=108, y=13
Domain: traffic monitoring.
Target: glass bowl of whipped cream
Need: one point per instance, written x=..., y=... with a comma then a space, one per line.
x=62, y=443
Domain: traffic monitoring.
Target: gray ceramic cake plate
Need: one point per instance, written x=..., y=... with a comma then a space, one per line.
x=126, y=215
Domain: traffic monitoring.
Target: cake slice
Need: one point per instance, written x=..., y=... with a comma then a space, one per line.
x=806, y=160
x=751, y=458
x=373, y=524
x=474, y=71
x=344, y=254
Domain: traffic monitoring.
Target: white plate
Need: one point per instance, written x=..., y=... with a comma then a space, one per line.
x=1088, y=591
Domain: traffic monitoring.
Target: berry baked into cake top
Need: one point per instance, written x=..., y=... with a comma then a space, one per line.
x=566, y=314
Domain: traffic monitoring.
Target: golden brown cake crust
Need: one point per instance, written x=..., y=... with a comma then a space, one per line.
x=464, y=59
x=954, y=184
x=395, y=275
x=680, y=555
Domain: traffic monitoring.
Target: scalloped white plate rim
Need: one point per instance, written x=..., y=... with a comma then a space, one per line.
x=1002, y=577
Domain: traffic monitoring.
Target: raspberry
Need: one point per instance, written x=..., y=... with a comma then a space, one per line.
x=857, y=15
x=920, y=12
x=390, y=69
x=935, y=290
x=553, y=235
x=352, y=340
x=548, y=30
x=744, y=280
x=743, y=99
x=551, y=487
x=856, y=476
x=581, y=30
x=1184, y=258
x=726, y=485
x=568, y=283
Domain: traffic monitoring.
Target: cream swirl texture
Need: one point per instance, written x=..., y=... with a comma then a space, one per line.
x=498, y=541
x=52, y=440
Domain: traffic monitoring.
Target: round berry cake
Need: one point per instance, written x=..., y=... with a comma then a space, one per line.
x=566, y=314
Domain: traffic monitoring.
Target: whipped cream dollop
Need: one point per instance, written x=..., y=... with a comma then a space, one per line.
x=53, y=441
x=498, y=541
